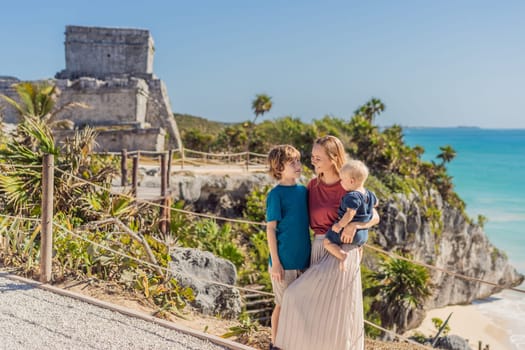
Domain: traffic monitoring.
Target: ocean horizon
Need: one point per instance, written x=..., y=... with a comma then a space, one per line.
x=488, y=173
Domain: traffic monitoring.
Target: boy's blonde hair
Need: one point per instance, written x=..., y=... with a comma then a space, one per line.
x=356, y=169
x=279, y=156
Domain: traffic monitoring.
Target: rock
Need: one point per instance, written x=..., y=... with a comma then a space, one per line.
x=198, y=270
x=153, y=172
x=452, y=342
x=456, y=245
x=223, y=195
x=460, y=246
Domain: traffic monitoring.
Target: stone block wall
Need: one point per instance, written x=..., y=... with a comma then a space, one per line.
x=158, y=107
x=136, y=139
x=111, y=71
x=114, y=140
x=100, y=52
x=114, y=101
x=8, y=113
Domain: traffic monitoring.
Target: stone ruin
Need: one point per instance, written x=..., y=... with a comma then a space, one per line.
x=111, y=71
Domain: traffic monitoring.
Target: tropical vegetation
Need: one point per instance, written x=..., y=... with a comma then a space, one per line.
x=104, y=236
x=91, y=224
x=397, y=289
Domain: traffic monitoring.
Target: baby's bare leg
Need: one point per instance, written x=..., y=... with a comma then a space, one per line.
x=338, y=252
x=334, y=249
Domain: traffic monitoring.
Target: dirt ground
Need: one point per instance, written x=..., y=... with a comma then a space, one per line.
x=113, y=293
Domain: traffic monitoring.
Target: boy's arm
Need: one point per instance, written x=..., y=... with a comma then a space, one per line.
x=349, y=231
x=276, y=271
x=345, y=220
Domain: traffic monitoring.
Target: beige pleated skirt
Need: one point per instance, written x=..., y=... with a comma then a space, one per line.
x=318, y=251
x=323, y=309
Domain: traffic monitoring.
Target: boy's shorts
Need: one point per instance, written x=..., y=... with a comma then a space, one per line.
x=279, y=287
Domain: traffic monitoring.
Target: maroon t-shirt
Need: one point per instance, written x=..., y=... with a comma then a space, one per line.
x=323, y=202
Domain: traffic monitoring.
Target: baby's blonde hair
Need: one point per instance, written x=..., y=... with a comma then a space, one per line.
x=279, y=156
x=356, y=169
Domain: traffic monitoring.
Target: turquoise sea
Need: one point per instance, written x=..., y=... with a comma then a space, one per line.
x=489, y=175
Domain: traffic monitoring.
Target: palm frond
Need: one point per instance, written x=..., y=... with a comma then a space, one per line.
x=14, y=104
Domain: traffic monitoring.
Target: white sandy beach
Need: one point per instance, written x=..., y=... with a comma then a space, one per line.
x=470, y=323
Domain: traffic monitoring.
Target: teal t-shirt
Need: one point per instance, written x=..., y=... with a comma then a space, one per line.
x=288, y=205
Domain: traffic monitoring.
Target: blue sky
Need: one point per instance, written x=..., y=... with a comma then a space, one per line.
x=433, y=63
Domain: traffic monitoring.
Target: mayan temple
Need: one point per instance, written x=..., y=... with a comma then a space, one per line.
x=111, y=71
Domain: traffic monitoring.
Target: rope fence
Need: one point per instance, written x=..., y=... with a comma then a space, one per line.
x=225, y=219
x=64, y=230
x=25, y=166
x=161, y=206
x=193, y=157
x=220, y=218
x=156, y=266
x=432, y=267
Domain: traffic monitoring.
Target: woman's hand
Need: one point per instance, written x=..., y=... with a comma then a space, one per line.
x=349, y=232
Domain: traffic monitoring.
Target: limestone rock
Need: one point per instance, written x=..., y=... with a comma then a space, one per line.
x=460, y=246
x=223, y=195
x=452, y=342
x=199, y=270
x=457, y=245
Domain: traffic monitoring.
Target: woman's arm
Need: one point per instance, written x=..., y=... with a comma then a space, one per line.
x=374, y=221
x=349, y=231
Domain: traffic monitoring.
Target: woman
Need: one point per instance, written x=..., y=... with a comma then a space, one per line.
x=323, y=309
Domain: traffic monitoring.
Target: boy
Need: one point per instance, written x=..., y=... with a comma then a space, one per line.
x=287, y=225
x=356, y=205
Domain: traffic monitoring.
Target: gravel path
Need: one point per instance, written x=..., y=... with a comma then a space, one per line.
x=31, y=318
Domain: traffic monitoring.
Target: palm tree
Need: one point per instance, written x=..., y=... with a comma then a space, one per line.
x=260, y=105
x=418, y=150
x=37, y=112
x=2, y=132
x=363, y=142
x=402, y=288
x=370, y=109
x=447, y=154
x=20, y=181
x=38, y=102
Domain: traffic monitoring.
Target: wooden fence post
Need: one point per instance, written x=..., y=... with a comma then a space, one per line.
x=163, y=177
x=46, y=248
x=170, y=158
x=182, y=157
x=164, y=211
x=135, y=175
x=124, y=168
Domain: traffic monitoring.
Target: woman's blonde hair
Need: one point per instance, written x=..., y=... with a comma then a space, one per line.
x=335, y=150
x=279, y=156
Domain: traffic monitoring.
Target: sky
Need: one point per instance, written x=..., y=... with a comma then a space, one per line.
x=432, y=63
